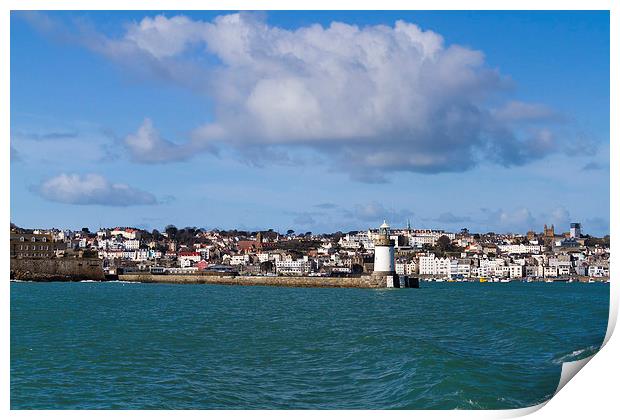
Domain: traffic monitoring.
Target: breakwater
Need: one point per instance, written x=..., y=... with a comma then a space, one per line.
x=365, y=282
x=56, y=269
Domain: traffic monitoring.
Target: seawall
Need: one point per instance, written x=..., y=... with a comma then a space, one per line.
x=347, y=282
x=56, y=269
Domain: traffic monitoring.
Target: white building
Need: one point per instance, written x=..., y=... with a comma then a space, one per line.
x=431, y=265
x=126, y=233
x=420, y=241
x=188, y=258
x=131, y=244
x=142, y=254
x=129, y=255
x=266, y=256
x=354, y=241
x=406, y=268
x=240, y=259
x=520, y=249
x=598, y=270
x=294, y=267
x=551, y=271
x=515, y=271
x=460, y=268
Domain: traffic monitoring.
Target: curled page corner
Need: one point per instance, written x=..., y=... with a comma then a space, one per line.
x=569, y=370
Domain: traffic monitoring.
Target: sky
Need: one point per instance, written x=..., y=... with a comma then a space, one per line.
x=311, y=121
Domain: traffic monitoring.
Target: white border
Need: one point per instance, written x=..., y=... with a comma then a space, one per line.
x=594, y=393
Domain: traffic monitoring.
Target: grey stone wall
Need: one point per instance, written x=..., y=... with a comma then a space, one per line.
x=351, y=282
x=56, y=269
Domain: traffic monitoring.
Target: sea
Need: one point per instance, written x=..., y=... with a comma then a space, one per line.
x=114, y=345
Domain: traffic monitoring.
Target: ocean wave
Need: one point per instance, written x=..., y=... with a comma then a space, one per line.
x=576, y=355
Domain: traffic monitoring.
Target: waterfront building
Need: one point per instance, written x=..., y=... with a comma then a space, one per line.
x=31, y=245
x=550, y=271
x=406, y=268
x=292, y=267
x=515, y=271
x=599, y=270
x=432, y=265
x=188, y=258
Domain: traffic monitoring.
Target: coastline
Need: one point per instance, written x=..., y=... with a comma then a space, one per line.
x=363, y=282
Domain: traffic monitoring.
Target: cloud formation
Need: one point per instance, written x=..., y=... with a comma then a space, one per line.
x=92, y=189
x=450, y=218
x=147, y=146
x=326, y=206
x=52, y=135
x=592, y=166
x=370, y=100
x=376, y=212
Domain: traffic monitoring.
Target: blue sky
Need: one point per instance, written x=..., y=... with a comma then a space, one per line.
x=313, y=121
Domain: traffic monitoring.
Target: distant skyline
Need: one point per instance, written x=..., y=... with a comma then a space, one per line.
x=311, y=121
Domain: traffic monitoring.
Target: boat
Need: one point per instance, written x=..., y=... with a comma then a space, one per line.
x=504, y=281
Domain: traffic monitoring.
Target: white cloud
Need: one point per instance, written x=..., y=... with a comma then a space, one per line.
x=147, y=146
x=371, y=100
x=92, y=189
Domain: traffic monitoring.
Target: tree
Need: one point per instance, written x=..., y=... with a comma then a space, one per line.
x=171, y=231
x=266, y=267
x=444, y=243
x=290, y=232
x=357, y=269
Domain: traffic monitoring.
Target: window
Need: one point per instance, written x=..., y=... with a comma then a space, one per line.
x=21, y=239
x=43, y=239
x=33, y=239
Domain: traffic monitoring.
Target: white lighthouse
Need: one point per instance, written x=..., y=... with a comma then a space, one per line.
x=384, y=253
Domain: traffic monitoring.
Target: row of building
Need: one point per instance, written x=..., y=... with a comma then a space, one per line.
x=420, y=252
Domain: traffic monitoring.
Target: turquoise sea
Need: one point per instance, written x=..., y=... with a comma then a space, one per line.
x=158, y=346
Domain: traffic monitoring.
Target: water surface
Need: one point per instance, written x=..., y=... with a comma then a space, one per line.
x=160, y=346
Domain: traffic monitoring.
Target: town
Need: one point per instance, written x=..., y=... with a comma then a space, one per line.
x=424, y=253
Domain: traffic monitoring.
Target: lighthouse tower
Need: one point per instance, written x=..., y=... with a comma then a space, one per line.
x=384, y=254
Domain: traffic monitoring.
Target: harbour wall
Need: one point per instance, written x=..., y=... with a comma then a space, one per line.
x=56, y=269
x=366, y=282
